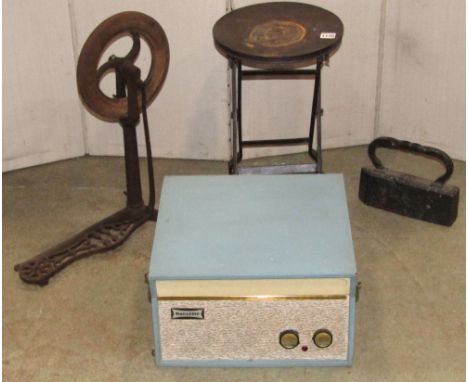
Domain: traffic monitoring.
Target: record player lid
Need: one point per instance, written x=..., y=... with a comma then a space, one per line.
x=252, y=226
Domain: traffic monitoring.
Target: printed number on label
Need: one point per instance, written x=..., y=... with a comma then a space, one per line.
x=328, y=35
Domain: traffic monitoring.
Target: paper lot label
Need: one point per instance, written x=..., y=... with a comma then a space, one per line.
x=328, y=35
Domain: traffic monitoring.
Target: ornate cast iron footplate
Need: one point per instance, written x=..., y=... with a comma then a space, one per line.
x=100, y=237
x=132, y=96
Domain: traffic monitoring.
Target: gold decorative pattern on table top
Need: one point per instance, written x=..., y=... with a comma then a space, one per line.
x=276, y=33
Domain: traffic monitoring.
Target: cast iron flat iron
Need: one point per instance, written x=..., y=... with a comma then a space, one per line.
x=132, y=97
x=405, y=194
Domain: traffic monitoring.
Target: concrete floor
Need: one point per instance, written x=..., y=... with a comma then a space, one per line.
x=93, y=321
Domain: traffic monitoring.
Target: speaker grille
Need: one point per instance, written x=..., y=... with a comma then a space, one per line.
x=245, y=329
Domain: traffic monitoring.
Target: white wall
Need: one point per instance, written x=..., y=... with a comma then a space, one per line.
x=41, y=113
x=190, y=118
x=422, y=87
x=400, y=71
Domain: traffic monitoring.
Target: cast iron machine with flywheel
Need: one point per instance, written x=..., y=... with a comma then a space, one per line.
x=132, y=97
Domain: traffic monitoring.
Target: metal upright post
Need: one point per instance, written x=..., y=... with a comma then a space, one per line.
x=132, y=168
x=129, y=75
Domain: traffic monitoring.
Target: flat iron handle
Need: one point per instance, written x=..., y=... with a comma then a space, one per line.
x=392, y=143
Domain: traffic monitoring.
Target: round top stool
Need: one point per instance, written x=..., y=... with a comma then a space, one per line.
x=277, y=35
x=278, y=39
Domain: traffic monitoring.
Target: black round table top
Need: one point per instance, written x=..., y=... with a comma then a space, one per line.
x=278, y=34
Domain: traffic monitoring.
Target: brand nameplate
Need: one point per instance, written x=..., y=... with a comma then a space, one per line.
x=187, y=314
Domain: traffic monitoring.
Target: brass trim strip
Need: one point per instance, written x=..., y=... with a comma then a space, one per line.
x=251, y=298
x=252, y=287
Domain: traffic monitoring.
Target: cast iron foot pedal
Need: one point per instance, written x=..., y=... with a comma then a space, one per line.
x=103, y=236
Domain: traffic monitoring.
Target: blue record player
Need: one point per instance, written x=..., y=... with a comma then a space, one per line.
x=253, y=271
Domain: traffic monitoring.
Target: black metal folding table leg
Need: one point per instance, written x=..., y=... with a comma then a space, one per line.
x=239, y=110
x=236, y=134
x=319, y=131
x=316, y=113
x=236, y=122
